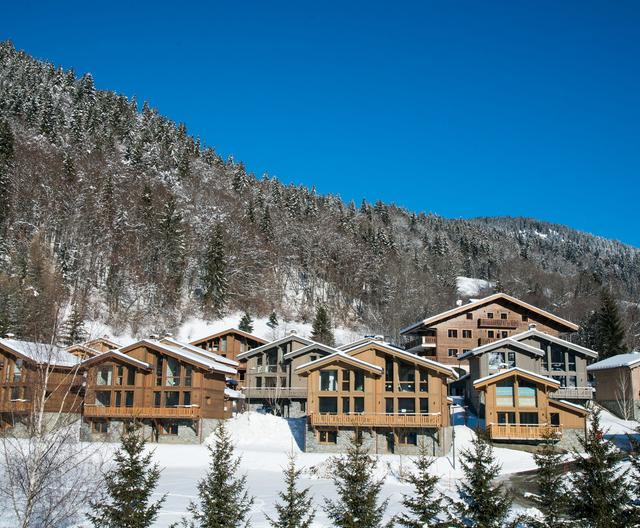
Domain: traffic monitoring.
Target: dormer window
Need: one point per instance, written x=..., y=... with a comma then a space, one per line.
x=503, y=315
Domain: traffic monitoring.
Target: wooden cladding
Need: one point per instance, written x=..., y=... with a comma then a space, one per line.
x=521, y=431
x=16, y=406
x=93, y=411
x=498, y=323
x=377, y=420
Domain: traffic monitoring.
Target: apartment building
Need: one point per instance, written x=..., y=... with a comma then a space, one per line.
x=617, y=384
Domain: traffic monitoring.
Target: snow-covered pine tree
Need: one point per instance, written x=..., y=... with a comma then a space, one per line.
x=295, y=508
x=73, y=330
x=214, y=276
x=6, y=157
x=321, y=330
x=599, y=491
x=426, y=505
x=223, y=500
x=610, y=332
x=129, y=487
x=357, y=504
x=273, y=323
x=266, y=226
x=634, y=458
x=246, y=323
x=482, y=503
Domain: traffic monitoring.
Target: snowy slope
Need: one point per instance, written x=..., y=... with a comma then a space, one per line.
x=470, y=287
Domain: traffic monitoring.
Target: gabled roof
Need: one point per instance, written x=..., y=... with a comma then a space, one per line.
x=357, y=343
x=313, y=346
x=430, y=321
x=532, y=332
x=632, y=359
x=115, y=355
x=79, y=349
x=386, y=347
x=339, y=356
x=105, y=340
x=533, y=376
x=229, y=331
x=505, y=341
x=40, y=353
x=277, y=342
x=568, y=405
x=197, y=350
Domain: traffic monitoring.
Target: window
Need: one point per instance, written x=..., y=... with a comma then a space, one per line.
x=16, y=393
x=259, y=361
x=313, y=358
x=407, y=405
x=104, y=375
x=388, y=374
x=469, y=315
x=158, y=371
x=490, y=315
x=452, y=332
x=119, y=374
x=157, y=399
x=408, y=438
x=100, y=426
x=303, y=405
x=388, y=405
x=346, y=380
x=529, y=418
x=503, y=315
x=17, y=371
x=424, y=405
x=328, y=405
x=283, y=382
x=504, y=394
x=561, y=379
x=173, y=372
x=490, y=334
x=555, y=419
x=506, y=418
x=504, y=334
x=170, y=428
x=270, y=383
x=327, y=437
x=453, y=352
x=525, y=318
x=188, y=375
x=557, y=358
x=571, y=361
x=501, y=360
x=131, y=376
x=406, y=377
x=171, y=398
x=328, y=380
x=545, y=360
x=118, y=402
x=223, y=344
x=186, y=398
x=466, y=334
x=358, y=381
x=345, y=406
x=572, y=381
x=526, y=394
x=103, y=398
x=128, y=398
x=424, y=381
x=358, y=404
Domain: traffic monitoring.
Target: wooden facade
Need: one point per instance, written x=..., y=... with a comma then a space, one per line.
x=377, y=387
x=445, y=336
x=519, y=407
x=230, y=343
x=617, y=384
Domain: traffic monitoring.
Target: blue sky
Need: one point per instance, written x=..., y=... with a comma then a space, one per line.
x=462, y=108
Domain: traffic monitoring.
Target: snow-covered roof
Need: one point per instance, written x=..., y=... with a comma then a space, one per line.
x=277, y=342
x=505, y=341
x=517, y=370
x=630, y=359
x=357, y=343
x=41, y=353
x=198, y=350
x=233, y=394
x=570, y=404
x=226, y=332
x=429, y=321
x=105, y=340
x=339, y=354
x=309, y=348
x=116, y=354
x=533, y=332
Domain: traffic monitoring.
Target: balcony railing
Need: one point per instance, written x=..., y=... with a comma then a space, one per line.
x=498, y=323
x=16, y=406
x=522, y=432
x=572, y=393
x=486, y=340
x=378, y=420
x=275, y=393
x=97, y=411
x=429, y=341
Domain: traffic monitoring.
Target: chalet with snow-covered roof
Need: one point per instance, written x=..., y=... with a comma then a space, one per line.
x=26, y=370
x=394, y=398
x=230, y=343
x=537, y=352
x=617, y=384
x=519, y=408
x=272, y=383
x=177, y=391
x=447, y=335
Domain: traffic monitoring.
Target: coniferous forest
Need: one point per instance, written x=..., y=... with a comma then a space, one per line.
x=109, y=211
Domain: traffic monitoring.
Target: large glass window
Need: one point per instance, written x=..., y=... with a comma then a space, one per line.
x=173, y=372
x=104, y=375
x=346, y=380
x=159, y=363
x=345, y=406
x=186, y=398
x=506, y=418
x=504, y=394
x=328, y=380
x=328, y=405
x=188, y=373
x=358, y=380
x=529, y=418
x=424, y=381
x=17, y=371
x=270, y=382
x=358, y=404
x=128, y=398
x=424, y=405
x=407, y=405
x=388, y=374
x=119, y=374
x=406, y=377
x=526, y=394
x=557, y=358
x=388, y=405
x=501, y=360
x=103, y=398
x=171, y=398
x=571, y=361
x=131, y=376
x=118, y=402
x=157, y=398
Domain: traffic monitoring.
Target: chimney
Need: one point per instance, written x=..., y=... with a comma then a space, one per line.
x=168, y=334
x=459, y=302
x=153, y=336
x=293, y=332
x=378, y=337
x=532, y=326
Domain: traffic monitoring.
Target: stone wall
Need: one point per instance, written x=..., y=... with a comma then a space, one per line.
x=614, y=407
x=20, y=426
x=188, y=432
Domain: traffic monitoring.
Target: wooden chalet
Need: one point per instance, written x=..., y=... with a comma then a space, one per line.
x=175, y=390
x=395, y=398
x=519, y=407
x=447, y=335
x=617, y=384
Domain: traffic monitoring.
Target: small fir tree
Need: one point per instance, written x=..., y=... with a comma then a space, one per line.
x=129, y=486
x=634, y=481
x=610, y=330
x=294, y=510
x=358, y=491
x=599, y=489
x=273, y=322
x=223, y=501
x=6, y=160
x=214, y=275
x=246, y=323
x=321, y=330
x=425, y=507
x=73, y=330
x=483, y=504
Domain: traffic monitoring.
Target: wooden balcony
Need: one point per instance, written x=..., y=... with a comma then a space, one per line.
x=572, y=393
x=498, y=323
x=428, y=341
x=274, y=393
x=521, y=432
x=377, y=420
x=16, y=406
x=487, y=340
x=95, y=411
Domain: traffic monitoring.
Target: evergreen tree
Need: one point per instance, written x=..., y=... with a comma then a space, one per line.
x=73, y=330
x=129, y=486
x=610, y=331
x=266, y=226
x=246, y=323
x=223, y=499
x=273, y=323
x=482, y=504
x=214, y=275
x=294, y=510
x=321, y=330
x=357, y=503
x=599, y=489
x=425, y=507
x=634, y=481
x=6, y=158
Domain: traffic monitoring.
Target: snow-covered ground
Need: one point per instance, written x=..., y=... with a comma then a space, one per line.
x=470, y=287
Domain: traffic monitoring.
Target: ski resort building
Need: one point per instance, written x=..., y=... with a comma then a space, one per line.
x=534, y=351
x=446, y=336
x=393, y=398
x=177, y=391
x=272, y=383
x=37, y=377
x=617, y=384
x=92, y=347
x=519, y=407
